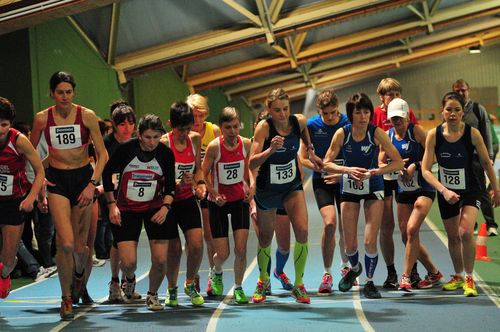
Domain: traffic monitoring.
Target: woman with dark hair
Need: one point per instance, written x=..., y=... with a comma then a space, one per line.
x=68, y=128
x=17, y=195
x=362, y=179
x=453, y=143
x=144, y=196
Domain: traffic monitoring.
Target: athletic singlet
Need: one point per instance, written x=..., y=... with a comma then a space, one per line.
x=228, y=171
x=321, y=137
x=361, y=154
x=280, y=171
x=455, y=161
x=68, y=136
x=208, y=137
x=145, y=176
x=185, y=162
x=13, y=181
x=409, y=148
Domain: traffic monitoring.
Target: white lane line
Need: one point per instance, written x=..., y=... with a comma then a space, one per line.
x=477, y=278
x=82, y=312
x=212, y=323
x=358, y=308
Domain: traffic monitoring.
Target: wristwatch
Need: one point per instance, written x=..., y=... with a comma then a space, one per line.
x=168, y=206
x=95, y=182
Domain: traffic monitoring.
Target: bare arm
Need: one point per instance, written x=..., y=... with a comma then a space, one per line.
x=257, y=156
x=25, y=147
x=208, y=163
x=200, y=187
x=315, y=161
x=397, y=163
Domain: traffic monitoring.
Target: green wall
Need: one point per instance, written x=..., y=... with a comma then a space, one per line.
x=15, y=73
x=156, y=91
x=56, y=45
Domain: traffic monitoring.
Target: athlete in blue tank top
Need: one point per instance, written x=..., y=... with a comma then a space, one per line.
x=362, y=180
x=414, y=196
x=452, y=144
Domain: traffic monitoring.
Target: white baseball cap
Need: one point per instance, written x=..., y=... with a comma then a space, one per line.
x=398, y=107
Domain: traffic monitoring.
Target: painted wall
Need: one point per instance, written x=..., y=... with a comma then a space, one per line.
x=56, y=45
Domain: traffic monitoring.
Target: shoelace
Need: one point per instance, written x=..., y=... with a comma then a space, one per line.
x=327, y=279
x=284, y=277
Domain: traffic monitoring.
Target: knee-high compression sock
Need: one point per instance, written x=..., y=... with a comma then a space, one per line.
x=281, y=259
x=269, y=266
x=263, y=257
x=300, y=258
x=370, y=263
x=354, y=260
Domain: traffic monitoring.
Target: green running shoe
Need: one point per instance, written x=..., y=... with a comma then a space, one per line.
x=239, y=296
x=455, y=283
x=196, y=298
x=260, y=291
x=171, y=300
x=347, y=281
x=217, y=284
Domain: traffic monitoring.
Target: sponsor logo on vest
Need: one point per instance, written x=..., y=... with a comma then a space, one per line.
x=62, y=130
x=142, y=184
x=282, y=149
x=142, y=176
x=3, y=178
x=232, y=166
x=405, y=146
x=184, y=167
x=283, y=167
x=445, y=155
x=365, y=149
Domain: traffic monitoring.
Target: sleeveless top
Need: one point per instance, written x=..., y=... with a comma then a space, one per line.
x=207, y=137
x=361, y=154
x=228, y=171
x=68, y=136
x=455, y=161
x=409, y=148
x=280, y=171
x=13, y=181
x=185, y=162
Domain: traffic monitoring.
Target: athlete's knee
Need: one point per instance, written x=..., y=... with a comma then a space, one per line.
x=371, y=244
x=466, y=234
x=66, y=247
x=454, y=239
x=128, y=266
x=240, y=251
x=412, y=232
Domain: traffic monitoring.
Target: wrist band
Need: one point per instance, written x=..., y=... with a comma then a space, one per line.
x=200, y=182
x=111, y=202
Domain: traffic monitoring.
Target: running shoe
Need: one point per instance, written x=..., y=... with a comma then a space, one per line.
x=370, y=291
x=153, y=303
x=67, y=312
x=44, y=273
x=326, y=284
x=239, y=296
x=259, y=295
x=415, y=278
x=129, y=290
x=116, y=294
x=171, y=300
x=344, y=271
x=217, y=284
x=346, y=283
x=4, y=286
x=283, y=278
x=196, y=298
x=97, y=262
x=268, y=288
x=455, y=283
x=469, y=287
x=391, y=282
x=300, y=294
x=76, y=287
x=405, y=284
x=197, y=282
x=86, y=299
x=431, y=279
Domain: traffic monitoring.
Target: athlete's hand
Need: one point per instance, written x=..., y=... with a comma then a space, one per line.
x=249, y=193
x=357, y=173
x=220, y=200
x=316, y=161
x=114, y=215
x=332, y=178
x=26, y=205
x=496, y=198
x=187, y=179
x=201, y=191
x=87, y=196
x=277, y=143
x=160, y=215
x=450, y=196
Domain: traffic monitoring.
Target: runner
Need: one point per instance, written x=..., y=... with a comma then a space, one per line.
x=453, y=144
x=326, y=186
x=361, y=180
x=279, y=185
x=225, y=168
x=145, y=195
x=67, y=128
x=17, y=195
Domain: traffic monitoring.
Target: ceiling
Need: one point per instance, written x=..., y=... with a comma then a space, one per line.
x=246, y=47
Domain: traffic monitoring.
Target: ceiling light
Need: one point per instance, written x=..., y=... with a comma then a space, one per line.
x=475, y=49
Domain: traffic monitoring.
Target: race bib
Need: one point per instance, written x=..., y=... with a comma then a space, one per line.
x=452, y=178
x=410, y=185
x=6, y=184
x=351, y=186
x=181, y=168
x=65, y=137
x=115, y=179
x=391, y=176
x=141, y=191
x=231, y=173
x=281, y=174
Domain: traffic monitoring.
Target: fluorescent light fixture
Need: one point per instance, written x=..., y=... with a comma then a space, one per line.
x=475, y=49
